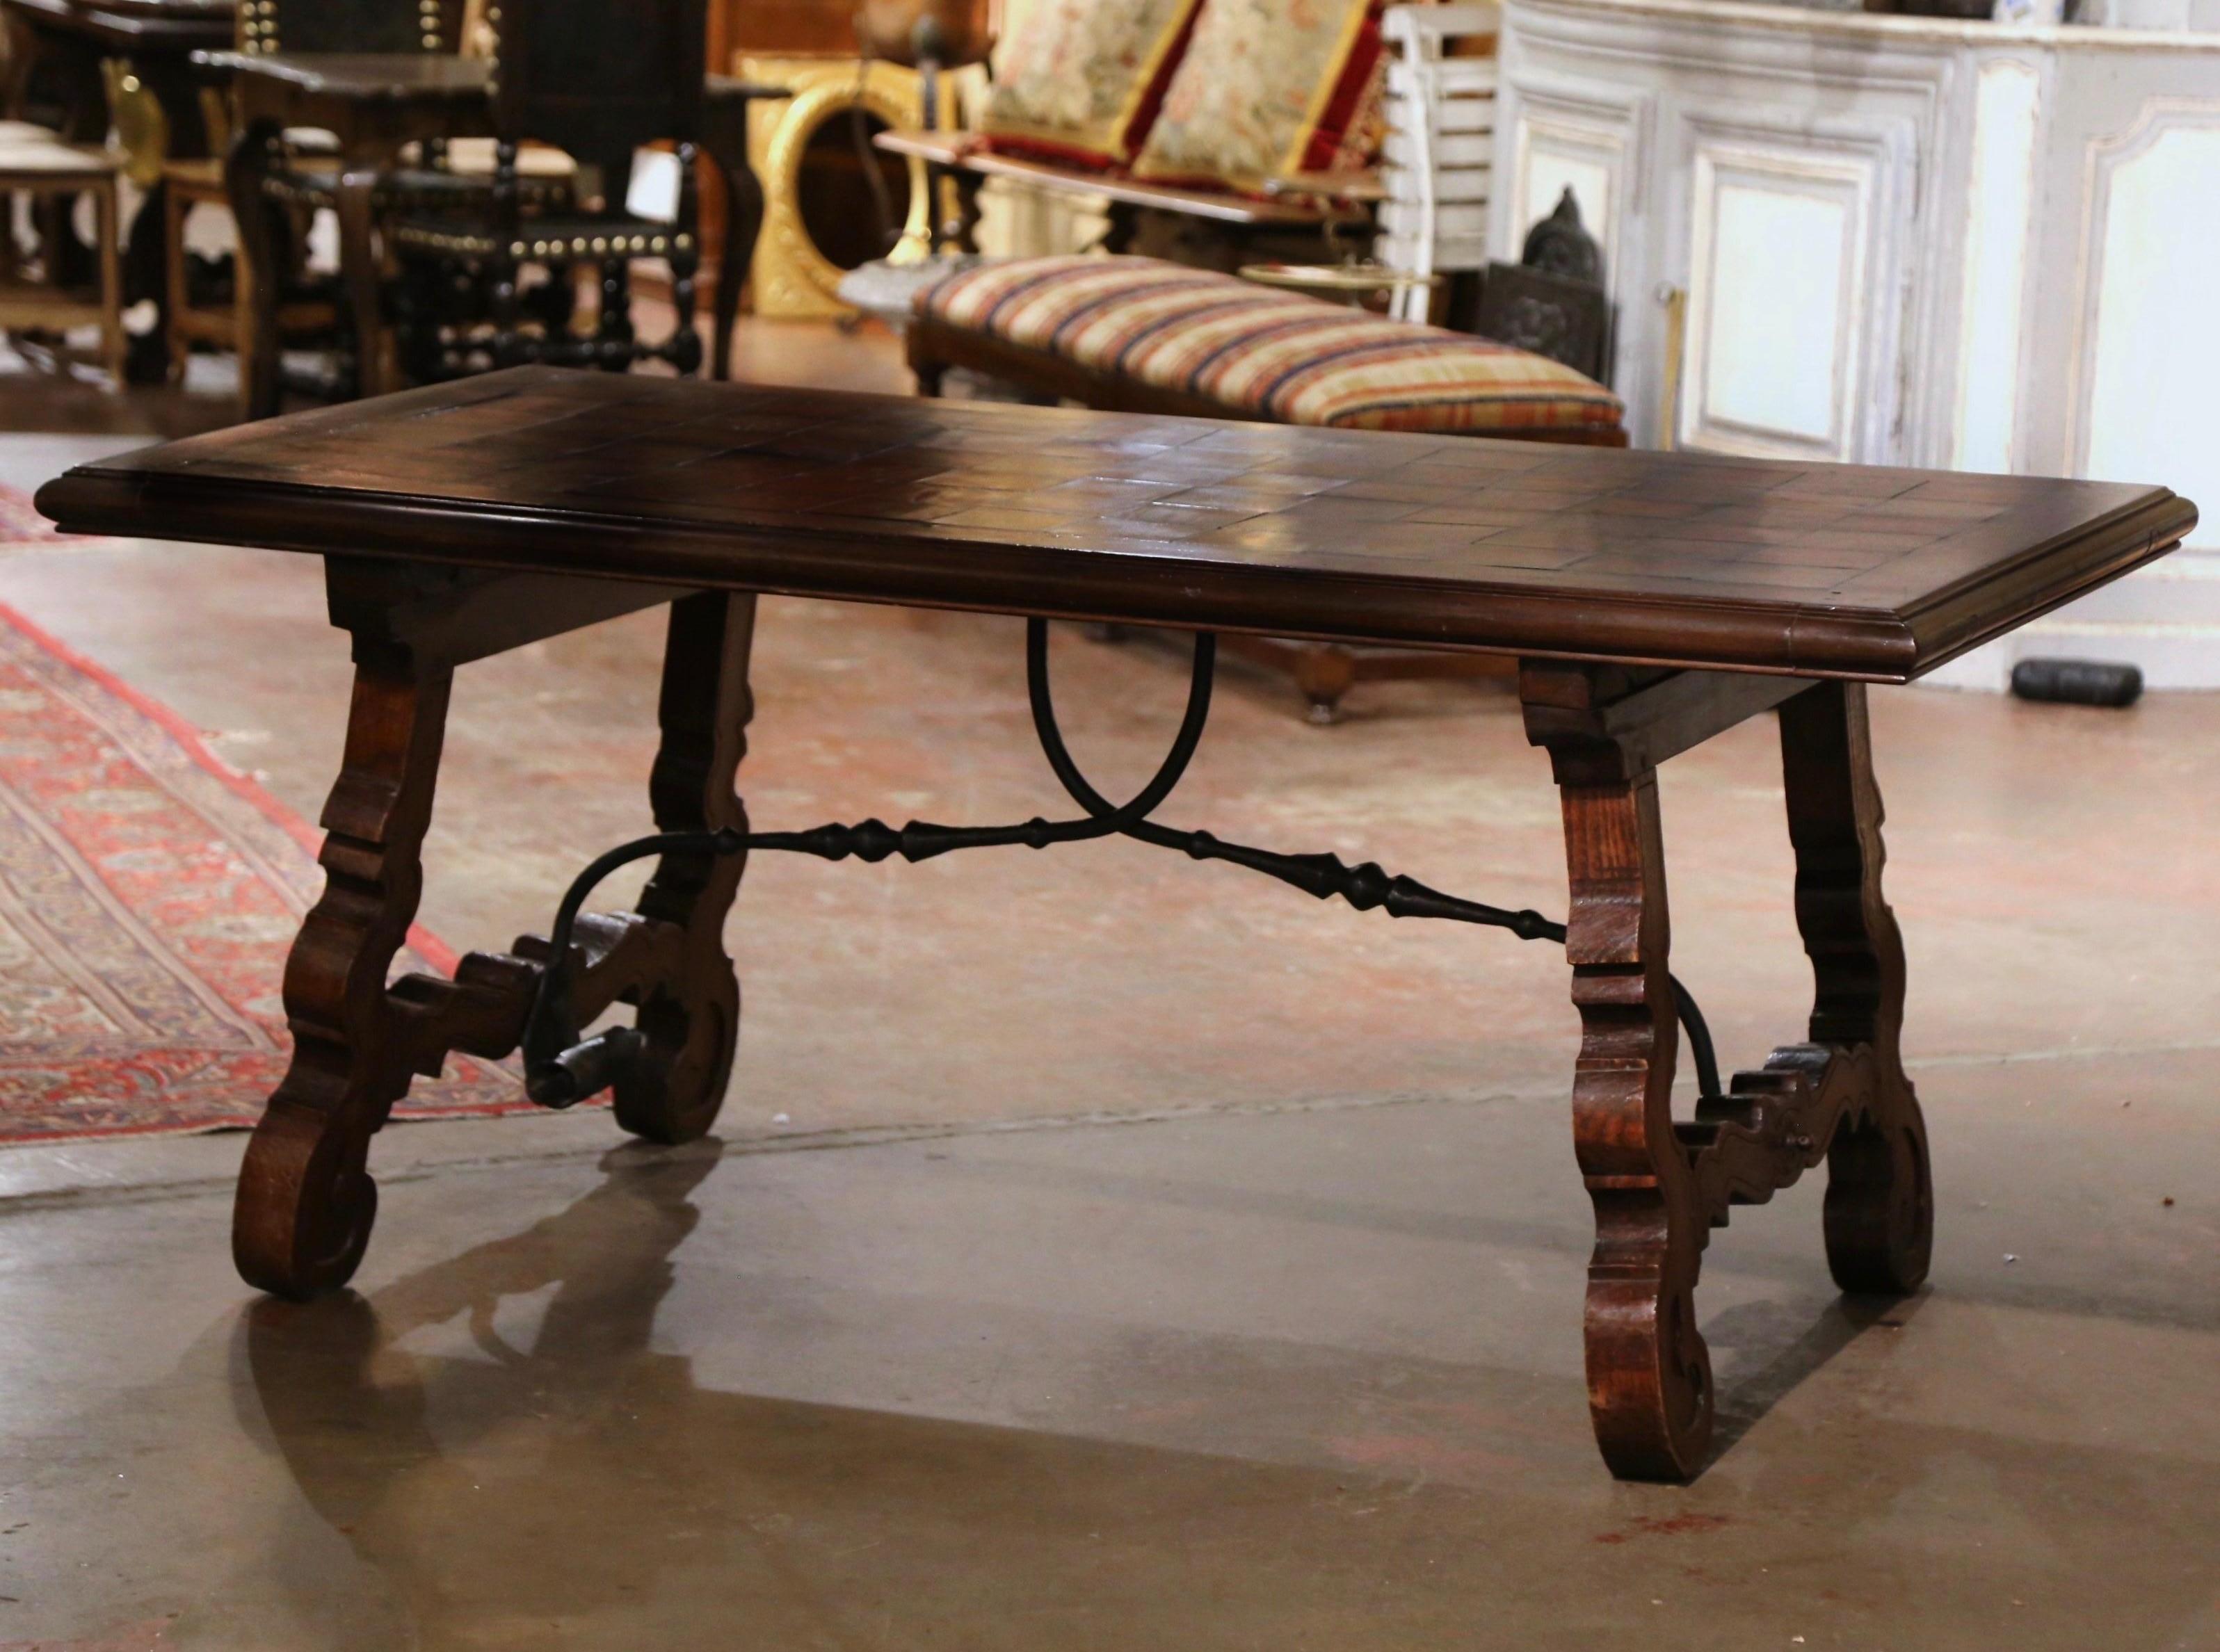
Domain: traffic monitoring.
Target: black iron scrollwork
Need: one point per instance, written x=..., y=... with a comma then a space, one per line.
x=561, y=1069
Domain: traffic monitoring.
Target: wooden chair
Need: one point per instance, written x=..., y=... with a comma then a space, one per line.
x=38, y=164
x=600, y=82
x=438, y=177
x=207, y=302
x=1440, y=150
x=1436, y=165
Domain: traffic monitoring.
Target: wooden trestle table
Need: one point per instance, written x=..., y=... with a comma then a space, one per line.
x=1654, y=601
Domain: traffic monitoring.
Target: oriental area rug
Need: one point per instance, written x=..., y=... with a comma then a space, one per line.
x=148, y=895
x=20, y=521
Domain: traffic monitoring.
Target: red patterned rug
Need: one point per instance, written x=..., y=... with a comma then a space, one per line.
x=148, y=893
x=20, y=524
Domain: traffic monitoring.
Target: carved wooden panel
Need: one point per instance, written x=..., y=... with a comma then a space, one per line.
x=2151, y=243
x=1780, y=301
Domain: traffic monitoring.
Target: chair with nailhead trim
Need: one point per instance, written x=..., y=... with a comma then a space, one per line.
x=601, y=82
x=439, y=177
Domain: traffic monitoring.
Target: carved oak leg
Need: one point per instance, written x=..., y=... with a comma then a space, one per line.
x=743, y=216
x=685, y=346
x=692, y=1027
x=354, y=197
x=259, y=273
x=1649, y=1379
x=306, y=1200
x=1880, y=1204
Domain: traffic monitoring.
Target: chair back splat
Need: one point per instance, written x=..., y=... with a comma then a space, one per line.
x=600, y=80
x=314, y=26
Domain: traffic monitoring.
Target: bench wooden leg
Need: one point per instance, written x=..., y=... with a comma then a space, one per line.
x=1659, y=1185
x=306, y=1200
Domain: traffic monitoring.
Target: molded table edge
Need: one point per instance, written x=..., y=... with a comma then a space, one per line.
x=1858, y=645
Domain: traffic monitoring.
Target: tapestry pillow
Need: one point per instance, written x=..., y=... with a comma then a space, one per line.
x=1269, y=87
x=1080, y=81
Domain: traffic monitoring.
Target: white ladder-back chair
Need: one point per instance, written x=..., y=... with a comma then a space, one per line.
x=1439, y=157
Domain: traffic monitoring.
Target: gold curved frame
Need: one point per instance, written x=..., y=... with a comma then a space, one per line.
x=142, y=125
x=793, y=277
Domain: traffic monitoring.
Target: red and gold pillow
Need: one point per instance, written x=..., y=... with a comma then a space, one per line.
x=1080, y=81
x=1266, y=88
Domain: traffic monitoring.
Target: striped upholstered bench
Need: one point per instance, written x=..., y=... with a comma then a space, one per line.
x=1134, y=334
x=1137, y=335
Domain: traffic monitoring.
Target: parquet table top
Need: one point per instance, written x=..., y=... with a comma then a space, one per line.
x=175, y=23
x=1672, y=559
x=389, y=77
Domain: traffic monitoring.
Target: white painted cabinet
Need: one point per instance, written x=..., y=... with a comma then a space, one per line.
x=1905, y=241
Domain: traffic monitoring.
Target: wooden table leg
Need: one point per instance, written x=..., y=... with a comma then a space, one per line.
x=306, y=1200
x=693, y=1022
x=1658, y=1185
x=1881, y=1200
x=1650, y=1377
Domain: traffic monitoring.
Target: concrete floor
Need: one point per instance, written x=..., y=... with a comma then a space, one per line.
x=1108, y=1252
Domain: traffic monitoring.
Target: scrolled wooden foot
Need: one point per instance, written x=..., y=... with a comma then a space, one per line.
x=1649, y=1371
x=306, y=1205
x=674, y=1094
x=1879, y=1213
x=1660, y=1187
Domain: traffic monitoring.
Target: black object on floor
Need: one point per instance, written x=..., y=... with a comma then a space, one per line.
x=2078, y=681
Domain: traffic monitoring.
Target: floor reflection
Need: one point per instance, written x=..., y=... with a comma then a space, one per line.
x=484, y=1481
x=505, y=1486
x=513, y=1454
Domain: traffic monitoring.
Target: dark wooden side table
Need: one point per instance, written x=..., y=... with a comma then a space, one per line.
x=373, y=103
x=1654, y=601
x=53, y=74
